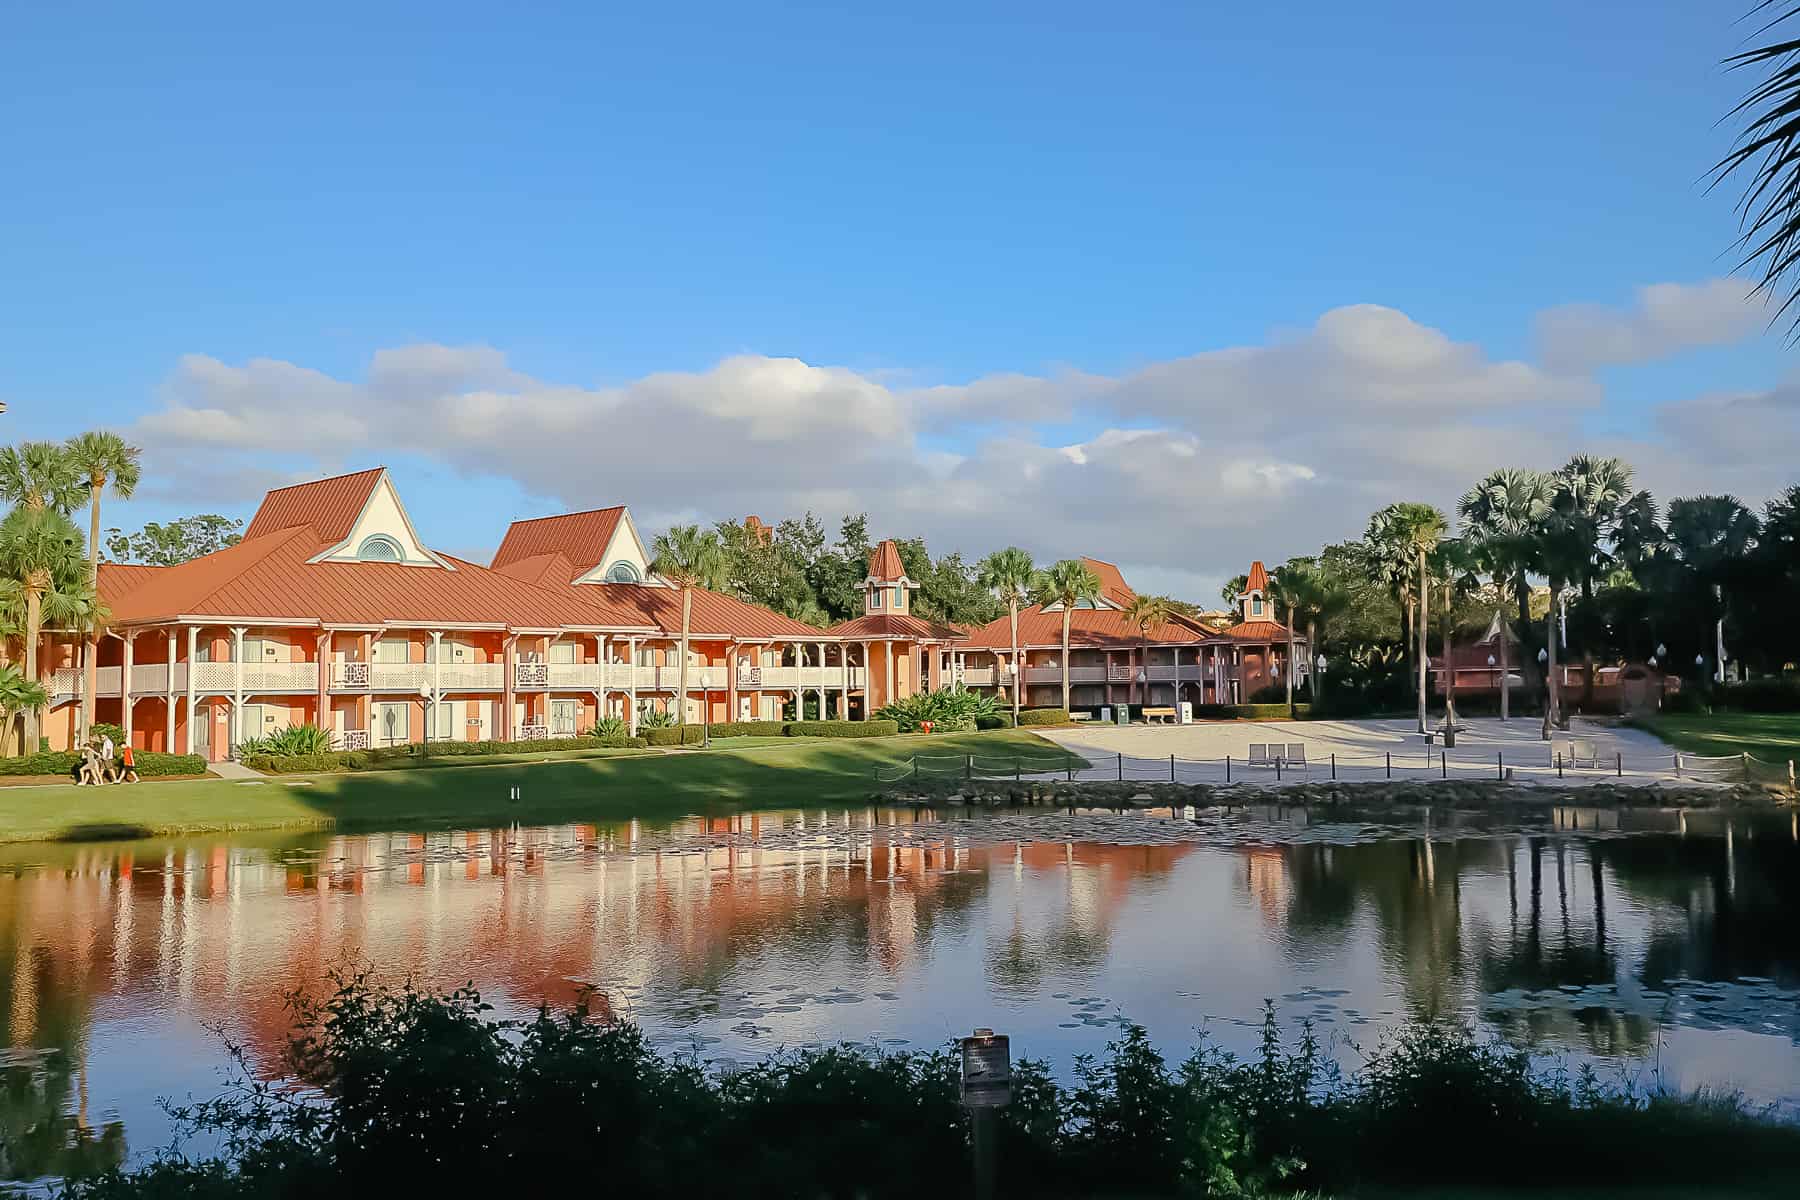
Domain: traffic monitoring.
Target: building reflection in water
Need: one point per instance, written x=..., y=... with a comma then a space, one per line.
x=768, y=919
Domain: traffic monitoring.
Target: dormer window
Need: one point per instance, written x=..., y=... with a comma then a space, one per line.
x=899, y=595
x=1256, y=605
x=623, y=572
x=379, y=547
x=874, y=599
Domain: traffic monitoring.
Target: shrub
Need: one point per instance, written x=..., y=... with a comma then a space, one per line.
x=655, y=718
x=1001, y=720
x=842, y=729
x=1250, y=712
x=673, y=735
x=1687, y=700
x=392, y=758
x=300, y=764
x=1043, y=716
x=1769, y=695
x=949, y=710
x=731, y=729
x=289, y=742
x=62, y=762
x=105, y=729
x=611, y=727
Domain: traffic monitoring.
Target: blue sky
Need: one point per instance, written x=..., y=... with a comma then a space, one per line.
x=1056, y=203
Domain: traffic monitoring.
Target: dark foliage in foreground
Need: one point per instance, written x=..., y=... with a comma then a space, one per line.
x=429, y=1094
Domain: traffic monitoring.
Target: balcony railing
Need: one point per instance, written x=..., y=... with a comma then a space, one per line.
x=531, y=675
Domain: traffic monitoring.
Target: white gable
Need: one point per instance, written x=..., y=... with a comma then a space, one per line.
x=383, y=533
x=625, y=547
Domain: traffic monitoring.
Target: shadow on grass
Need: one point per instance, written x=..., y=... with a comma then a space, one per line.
x=105, y=831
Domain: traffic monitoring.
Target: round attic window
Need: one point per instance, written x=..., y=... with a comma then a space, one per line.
x=623, y=572
x=379, y=547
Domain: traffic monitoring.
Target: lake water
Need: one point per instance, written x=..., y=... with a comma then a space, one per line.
x=1646, y=942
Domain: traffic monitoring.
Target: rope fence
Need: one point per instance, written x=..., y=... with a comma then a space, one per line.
x=1279, y=767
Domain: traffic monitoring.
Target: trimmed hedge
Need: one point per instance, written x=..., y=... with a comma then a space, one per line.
x=1043, y=716
x=1249, y=712
x=307, y=764
x=402, y=757
x=1770, y=695
x=62, y=762
x=674, y=735
x=534, y=746
x=999, y=721
x=842, y=729
x=731, y=729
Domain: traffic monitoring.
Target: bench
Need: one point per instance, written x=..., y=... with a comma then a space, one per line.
x=1583, y=754
x=1274, y=754
x=1159, y=714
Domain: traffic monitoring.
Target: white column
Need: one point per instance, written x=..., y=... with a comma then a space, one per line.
x=631, y=686
x=169, y=698
x=437, y=682
x=868, y=680
x=193, y=649
x=844, y=662
x=237, y=685
x=600, y=658
x=887, y=667
x=125, y=688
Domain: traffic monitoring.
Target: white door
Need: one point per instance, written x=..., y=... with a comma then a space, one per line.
x=565, y=653
x=391, y=650
x=442, y=720
x=202, y=721
x=565, y=717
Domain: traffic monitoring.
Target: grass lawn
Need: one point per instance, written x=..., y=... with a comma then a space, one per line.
x=579, y=785
x=1772, y=737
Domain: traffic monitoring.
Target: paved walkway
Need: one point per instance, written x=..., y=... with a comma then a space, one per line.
x=232, y=770
x=1371, y=750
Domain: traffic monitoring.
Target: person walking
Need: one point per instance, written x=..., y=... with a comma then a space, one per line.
x=127, y=765
x=106, y=758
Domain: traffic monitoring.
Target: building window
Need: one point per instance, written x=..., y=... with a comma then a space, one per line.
x=623, y=572
x=379, y=547
x=899, y=596
x=874, y=598
x=1256, y=606
x=392, y=723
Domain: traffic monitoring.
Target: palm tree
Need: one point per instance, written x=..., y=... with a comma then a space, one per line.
x=1767, y=150
x=101, y=458
x=40, y=548
x=1454, y=565
x=1008, y=574
x=1389, y=561
x=1705, y=535
x=1500, y=517
x=18, y=693
x=688, y=557
x=1284, y=587
x=40, y=475
x=1068, y=583
x=1591, y=492
x=1318, y=598
x=1417, y=528
x=1147, y=611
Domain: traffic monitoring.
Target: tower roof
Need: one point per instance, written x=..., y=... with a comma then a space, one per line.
x=1259, y=578
x=884, y=563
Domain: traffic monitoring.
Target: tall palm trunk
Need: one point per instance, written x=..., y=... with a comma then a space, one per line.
x=1505, y=678
x=34, y=597
x=1449, y=666
x=1290, y=670
x=1587, y=644
x=1406, y=640
x=1312, y=649
x=687, y=617
x=1551, y=696
x=1065, y=657
x=1012, y=608
x=1424, y=625
x=91, y=677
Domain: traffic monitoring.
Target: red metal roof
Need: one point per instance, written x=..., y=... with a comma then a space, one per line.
x=1258, y=580
x=884, y=563
x=269, y=578
x=118, y=578
x=714, y=616
x=330, y=506
x=1112, y=582
x=1258, y=631
x=581, y=537
x=887, y=626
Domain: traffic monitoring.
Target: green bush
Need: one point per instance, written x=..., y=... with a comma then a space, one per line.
x=610, y=727
x=1687, y=700
x=433, y=1090
x=533, y=746
x=655, y=718
x=996, y=721
x=841, y=729
x=62, y=762
x=1043, y=716
x=949, y=710
x=301, y=764
x=673, y=735
x=1249, y=712
x=731, y=729
x=1770, y=695
x=402, y=757
x=105, y=729
x=287, y=743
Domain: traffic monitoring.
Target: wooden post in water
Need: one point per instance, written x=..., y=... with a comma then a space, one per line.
x=1746, y=766
x=1390, y=766
x=1619, y=760
x=1500, y=765
x=1228, y=768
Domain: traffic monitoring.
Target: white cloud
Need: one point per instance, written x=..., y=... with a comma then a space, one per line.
x=1197, y=464
x=1664, y=320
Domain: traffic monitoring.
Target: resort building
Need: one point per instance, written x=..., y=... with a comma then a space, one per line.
x=1112, y=661
x=332, y=611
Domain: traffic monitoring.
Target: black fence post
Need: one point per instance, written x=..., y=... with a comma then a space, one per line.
x=1500, y=764
x=1018, y=769
x=1334, y=764
x=1390, y=767
x=1228, y=768
x=1278, y=768
x=1619, y=762
x=1444, y=763
x=1559, y=773
x=1071, y=765
x=1121, y=768
x=1171, y=768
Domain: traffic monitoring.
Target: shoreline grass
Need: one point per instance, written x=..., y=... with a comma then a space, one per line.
x=1772, y=737
x=452, y=793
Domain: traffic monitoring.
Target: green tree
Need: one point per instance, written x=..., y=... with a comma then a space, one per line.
x=1009, y=574
x=41, y=570
x=1501, y=516
x=1066, y=583
x=100, y=458
x=1767, y=154
x=167, y=544
x=688, y=557
x=1412, y=530
x=1148, y=612
x=40, y=475
x=1591, y=493
x=1454, y=567
x=19, y=693
x=1707, y=535
x=1318, y=597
